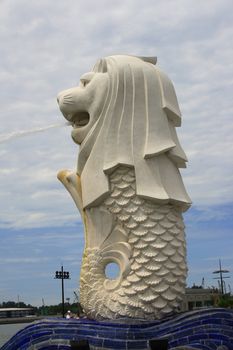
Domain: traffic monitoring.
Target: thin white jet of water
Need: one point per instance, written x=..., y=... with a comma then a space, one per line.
x=16, y=134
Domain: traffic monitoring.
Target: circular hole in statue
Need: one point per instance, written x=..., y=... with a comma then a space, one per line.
x=112, y=271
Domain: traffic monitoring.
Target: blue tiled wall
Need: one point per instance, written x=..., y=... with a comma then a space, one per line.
x=204, y=329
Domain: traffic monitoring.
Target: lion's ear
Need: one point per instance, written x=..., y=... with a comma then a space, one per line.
x=152, y=60
x=169, y=99
x=101, y=66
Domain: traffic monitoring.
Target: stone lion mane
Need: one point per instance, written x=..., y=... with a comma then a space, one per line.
x=136, y=128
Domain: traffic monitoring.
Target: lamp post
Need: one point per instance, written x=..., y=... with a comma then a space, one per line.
x=62, y=275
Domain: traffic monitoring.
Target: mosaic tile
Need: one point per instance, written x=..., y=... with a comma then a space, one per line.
x=201, y=329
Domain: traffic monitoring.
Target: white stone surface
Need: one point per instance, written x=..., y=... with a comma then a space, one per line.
x=128, y=188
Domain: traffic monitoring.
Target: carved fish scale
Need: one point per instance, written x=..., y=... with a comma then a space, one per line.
x=154, y=284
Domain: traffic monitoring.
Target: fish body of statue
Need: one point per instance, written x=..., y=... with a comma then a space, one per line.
x=128, y=188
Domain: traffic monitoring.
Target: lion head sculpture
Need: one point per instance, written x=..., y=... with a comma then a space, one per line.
x=125, y=112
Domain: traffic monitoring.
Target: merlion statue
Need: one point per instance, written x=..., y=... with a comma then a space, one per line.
x=128, y=188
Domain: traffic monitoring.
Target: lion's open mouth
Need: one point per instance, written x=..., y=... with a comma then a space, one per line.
x=80, y=119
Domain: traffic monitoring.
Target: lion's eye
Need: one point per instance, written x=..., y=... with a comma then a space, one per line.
x=86, y=78
x=84, y=82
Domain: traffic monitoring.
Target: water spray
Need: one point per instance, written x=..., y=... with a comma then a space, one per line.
x=21, y=133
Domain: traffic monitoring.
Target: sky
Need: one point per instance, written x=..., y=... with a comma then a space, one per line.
x=45, y=48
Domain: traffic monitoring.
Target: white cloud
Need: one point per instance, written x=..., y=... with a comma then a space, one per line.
x=26, y=219
x=47, y=48
x=213, y=258
x=23, y=260
x=8, y=171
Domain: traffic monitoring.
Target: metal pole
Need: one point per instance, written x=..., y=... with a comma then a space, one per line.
x=62, y=287
x=221, y=277
x=61, y=275
x=220, y=269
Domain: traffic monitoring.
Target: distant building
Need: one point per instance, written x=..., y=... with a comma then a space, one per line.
x=198, y=297
x=14, y=312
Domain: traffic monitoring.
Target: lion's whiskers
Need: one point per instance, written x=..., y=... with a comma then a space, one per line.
x=68, y=100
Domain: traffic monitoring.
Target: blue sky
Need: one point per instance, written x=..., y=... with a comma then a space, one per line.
x=45, y=48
